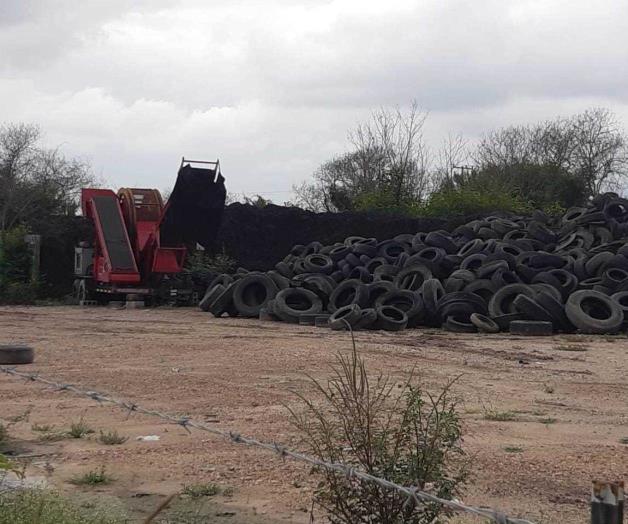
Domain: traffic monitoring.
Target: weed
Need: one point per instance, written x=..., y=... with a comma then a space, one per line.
x=623, y=440
x=548, y=420
x=548, y=388
x=570, y=347
x=4, y=434
x=111, y=438
x=201, y=490
x=42, y=428
x=79, y=429
x=404, y=434
x=25, y=506
x=499, y=416
x=513, y=449
x=92, y=478
x=229, y=490
x=53, y=436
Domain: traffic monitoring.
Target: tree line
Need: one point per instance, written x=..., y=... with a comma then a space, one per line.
x=552, y=164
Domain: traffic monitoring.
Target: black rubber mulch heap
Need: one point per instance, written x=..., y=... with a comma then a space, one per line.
x=539, y=273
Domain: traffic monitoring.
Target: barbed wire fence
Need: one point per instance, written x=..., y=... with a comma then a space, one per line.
x=415, y=495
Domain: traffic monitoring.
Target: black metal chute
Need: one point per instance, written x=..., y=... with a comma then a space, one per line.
x=195, y=207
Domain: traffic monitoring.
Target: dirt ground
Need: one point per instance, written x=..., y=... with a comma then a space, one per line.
x=566, y=395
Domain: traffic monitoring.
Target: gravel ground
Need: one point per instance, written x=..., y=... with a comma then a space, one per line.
x=566, y=396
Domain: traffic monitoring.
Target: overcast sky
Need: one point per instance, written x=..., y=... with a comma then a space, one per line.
x=271, y=87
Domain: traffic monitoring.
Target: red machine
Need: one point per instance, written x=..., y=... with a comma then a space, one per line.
x=138, y=241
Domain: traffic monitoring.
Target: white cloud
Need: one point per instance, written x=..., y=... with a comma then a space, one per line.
x=272, y=87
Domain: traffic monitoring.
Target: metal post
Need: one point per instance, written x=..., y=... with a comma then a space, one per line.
x=607, y=502
x=34, y=244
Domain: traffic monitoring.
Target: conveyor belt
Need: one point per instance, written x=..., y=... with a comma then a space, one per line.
x=116, y=241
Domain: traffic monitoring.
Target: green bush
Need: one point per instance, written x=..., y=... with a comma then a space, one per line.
x=462, y=202
x=385, y=201
x=15, y=268
x=396, y=431
x=44, y=507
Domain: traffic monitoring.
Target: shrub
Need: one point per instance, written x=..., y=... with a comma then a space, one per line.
x=26, y=506
x=92, y=478
x=462, y=202
x=201, y=490
x=79, y=429
x=401, y=433
x=111, y=438
x=15, y=268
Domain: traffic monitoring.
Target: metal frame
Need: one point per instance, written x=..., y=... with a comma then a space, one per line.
x=216, y=163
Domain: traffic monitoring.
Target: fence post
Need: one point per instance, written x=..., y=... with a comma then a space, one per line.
x=607, y=502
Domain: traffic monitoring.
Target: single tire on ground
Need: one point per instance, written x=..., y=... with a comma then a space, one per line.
x=391, y=318
x=484, y=323
x=593, y=312
x=291, y=303
x=16, y=354
x=345, y=317
x=252, y=293
x=531, y=328
x=211, y=295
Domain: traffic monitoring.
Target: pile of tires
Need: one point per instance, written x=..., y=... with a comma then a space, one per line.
x=533, y=275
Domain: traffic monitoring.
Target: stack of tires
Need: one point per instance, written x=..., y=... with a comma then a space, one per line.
x=529, y=275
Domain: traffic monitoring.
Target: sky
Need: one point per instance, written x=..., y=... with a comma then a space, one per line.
x=272, y=87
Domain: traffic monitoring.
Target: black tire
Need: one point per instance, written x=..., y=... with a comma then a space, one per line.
x=436, y=239
x=502, y=301
x=614, y=277
x=471, y=247
x=252, y=293
x=413, y=277
x=284, y=269
x=345, y=317
x=407, y=301
x=386, y=272
x=224, y=302
x=531, y=328
x=377, y=289
x=503, y=321
x=473, y=262
x=556, y=309
x=211, y=295
x=280, y=281
x=16, y=354
x=483, y=323
x=390, y=318
x=486, y=270
x=391, y=249
x=368, y=318
x=458, y=325
x=622, y=299
x=432, y=291
x=290, y=304
x=349, y=292
x=483, y=288
x=361, y=274
x=353, y=260
x=593, y=312
x=531, y=310
x=339, y=252
x=317, y=263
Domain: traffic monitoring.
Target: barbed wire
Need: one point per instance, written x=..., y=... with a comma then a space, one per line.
x=413, y=494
